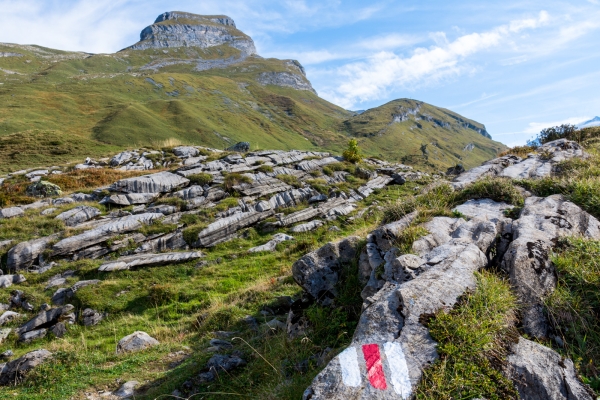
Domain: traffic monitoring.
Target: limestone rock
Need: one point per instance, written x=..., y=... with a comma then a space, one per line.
x=8, y=280
x=271, y=244
x=8, y=316
x=161, y=182
x=185, y=151
x=318, y=272
x=310, y=165
x=285, y=79
x=223, y=229
x=130, y=199
x=45, y=319
x=11, y=212
x=78, y=215
x=241, y=147
x=14, y=371
x=540, y=373
x=146, y=260
x=25, y=254
x=104, y=232
x=220, y=363
x=135, y=342
x=307, y=227
x=92, y=317
x=127, y=390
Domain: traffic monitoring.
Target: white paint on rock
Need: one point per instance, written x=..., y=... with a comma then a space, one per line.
x=350, y=369
x=398, y=368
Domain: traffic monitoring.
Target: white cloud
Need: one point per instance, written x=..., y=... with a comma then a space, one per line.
x=370, y=80
x=535, y=127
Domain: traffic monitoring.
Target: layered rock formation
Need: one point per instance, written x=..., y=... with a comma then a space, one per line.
x=180, y=29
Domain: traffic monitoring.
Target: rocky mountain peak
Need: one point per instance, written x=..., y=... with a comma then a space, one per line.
x=182, y=29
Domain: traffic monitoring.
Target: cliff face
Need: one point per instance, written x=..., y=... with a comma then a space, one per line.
x=177, y=29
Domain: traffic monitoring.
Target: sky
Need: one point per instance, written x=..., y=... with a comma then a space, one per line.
x=515, y=66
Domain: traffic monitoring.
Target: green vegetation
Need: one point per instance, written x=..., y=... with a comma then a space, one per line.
x=574, y=306
x=472, y=344
x=264, y=169
x=352, y=153
x=234, y=179
x=200, y=179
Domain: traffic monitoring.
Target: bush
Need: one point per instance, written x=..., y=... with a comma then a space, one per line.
x=352, y=153
x=201, y=179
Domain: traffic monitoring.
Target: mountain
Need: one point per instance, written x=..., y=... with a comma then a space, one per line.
x=197, y=80
x=592, y=122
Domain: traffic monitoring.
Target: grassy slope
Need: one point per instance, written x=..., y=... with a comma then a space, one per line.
x=97, y=104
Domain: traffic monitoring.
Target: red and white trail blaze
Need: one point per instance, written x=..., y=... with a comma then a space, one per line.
x=398, y=379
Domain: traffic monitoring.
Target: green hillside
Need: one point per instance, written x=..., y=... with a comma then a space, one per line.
x=93, y=105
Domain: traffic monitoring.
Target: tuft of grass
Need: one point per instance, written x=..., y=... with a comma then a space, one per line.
x=498, y=189
x=289, y=179
x=265, y=169
x=90, y=178
x=200, y=179
x=472, y=344
x=156, y=228
x=234, y=179
x=574, y=307
x=520, y=151
x=408, y=236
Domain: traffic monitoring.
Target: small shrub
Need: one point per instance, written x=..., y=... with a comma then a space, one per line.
x=156, y=228
x=190, y=234
x=497, y=189
x=171, y=201
x=352, y=153
x=289, y=179
x=227, y=203
x=200, y=179
x=408, y=236
x=320, y=185
x=189, y=219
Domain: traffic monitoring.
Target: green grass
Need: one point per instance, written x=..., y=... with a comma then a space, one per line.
x=472, y=344
x=573, y=308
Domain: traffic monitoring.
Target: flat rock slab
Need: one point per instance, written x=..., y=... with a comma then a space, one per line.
x=271, y=244
x=223, y=229
x=104, y=232
x=25, y=254
x=161, y=182
x=146, y=260
x=78, y=215
x=11, y=212
x=9, y=280
x=307, y=227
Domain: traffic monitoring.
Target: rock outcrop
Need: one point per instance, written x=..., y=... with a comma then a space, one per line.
x=137, y=341
x=179, y=29
x=13, y=372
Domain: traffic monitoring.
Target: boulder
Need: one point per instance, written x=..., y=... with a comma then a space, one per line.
x=43, y=189
x=540, y=373
x=376, y=183
x=78, y=215
x=8, y=316
x=161, y=182
x=220, y=363
x=146, y=260
x=291, y=198
x=262, y=187
x=130, y=199
x=241, y=147
x=13, y=372
x=92, y=317
x=318, y=272
x=271, y=244
x=25, y=254
x=59, y=279
x=185, y=151
x=8, y=280
x=137, y=341
x=11, y=212
x=527, y=261
x=45, y=319
x=311, y=165
x=122, y=158
x=127, y=390
x=167, y=242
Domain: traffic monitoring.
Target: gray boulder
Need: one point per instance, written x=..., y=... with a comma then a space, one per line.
x=13, y=372
x=540, y=373
x=8, y=316
x=130, y=199
x=46, y=319
x=137, y=341
x=161, y=182
x=122, y=158
x=11, y=212
x=127, y=390
x=318, y=272
x=43, y=189
x=225, y=228
x=78, y=215
x=241, y=147
x=307, y=227
x=8, y=280
x=185, y=151
x=146, y=260
x=376, y=183
x=92, y=317
x=527, y=262
x=271, y=244
x=25, y=254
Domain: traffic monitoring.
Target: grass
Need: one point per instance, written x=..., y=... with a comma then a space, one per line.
x=574, y=307
x=472, y=344
x=200, y=179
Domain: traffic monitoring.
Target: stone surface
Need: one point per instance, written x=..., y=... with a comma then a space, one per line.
x=161, y=182
x=307, y=227
x=92, y=317
x=127, y=390
x=241, y=147
x=14, y=371
x=62, y=295
x=318, y=272
x=78, y=215
x=11, y=212
x=224, y=229
x=9, y=280
x=540, y=373
x=43, y=189
x=271, y=244
x=185, y=151
x=45, y=319
x=104, y=232
x=8, y=316
x=526, y=260
x=137, y=341
x=146, y=260
x=25, y=254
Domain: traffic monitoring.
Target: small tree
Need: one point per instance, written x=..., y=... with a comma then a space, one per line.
x=352, y=153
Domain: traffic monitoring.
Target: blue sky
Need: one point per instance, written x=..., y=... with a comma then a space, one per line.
x=516, y=66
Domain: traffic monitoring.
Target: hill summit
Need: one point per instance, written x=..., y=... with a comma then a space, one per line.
x=181, y=29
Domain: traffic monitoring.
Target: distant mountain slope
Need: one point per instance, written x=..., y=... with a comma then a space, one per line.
x=192, y=79
x=419, y=133
x=592, y=122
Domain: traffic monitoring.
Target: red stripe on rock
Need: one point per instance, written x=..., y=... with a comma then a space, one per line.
x=374, y=366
